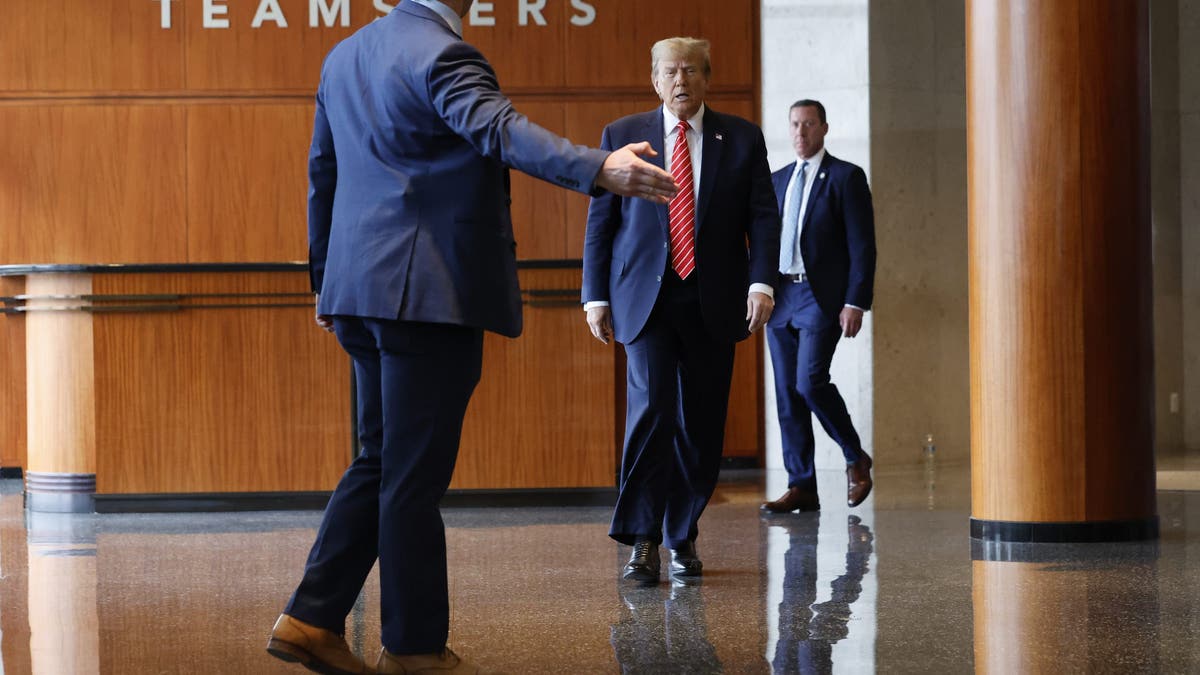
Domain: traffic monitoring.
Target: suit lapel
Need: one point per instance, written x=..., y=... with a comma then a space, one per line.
x=818, y=189
x=782, y=178
x=714, y=144
x=654, y=131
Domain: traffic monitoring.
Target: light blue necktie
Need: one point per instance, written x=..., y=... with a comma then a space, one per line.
x=791, y=220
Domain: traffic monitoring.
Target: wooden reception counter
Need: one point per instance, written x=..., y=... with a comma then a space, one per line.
x=130, y=387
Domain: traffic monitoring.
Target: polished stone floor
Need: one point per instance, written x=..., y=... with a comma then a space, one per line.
x=890, y=586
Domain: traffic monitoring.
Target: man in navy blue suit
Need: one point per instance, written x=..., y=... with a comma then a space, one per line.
x=826, y=277
x=677, y=286
x=411, y=251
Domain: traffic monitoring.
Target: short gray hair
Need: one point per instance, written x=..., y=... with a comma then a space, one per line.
x=683, y=47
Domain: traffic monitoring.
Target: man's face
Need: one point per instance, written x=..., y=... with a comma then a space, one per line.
x=681, y=84
x=808, y=132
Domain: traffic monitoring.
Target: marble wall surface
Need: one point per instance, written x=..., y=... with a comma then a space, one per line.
x=919, y=152
x=1165, y=217
x=1189, y=179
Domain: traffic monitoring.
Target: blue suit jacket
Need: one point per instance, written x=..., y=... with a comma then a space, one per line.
x=408, y=202
x=837, y=237
x=625, y=247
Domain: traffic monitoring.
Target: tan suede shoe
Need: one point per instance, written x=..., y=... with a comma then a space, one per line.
x=444, y=663
x=317, y=649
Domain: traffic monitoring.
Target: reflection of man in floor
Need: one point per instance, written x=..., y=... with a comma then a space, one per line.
x=663, y=632
x=808, y=630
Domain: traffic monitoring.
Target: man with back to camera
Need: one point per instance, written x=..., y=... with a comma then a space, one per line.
x=826, y=276
x=677, y=286
x=411, y=251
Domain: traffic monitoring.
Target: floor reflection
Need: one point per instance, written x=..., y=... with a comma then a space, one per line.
x=808, y=629
x=1067, y=608
x=892, y=587
x=662, y=629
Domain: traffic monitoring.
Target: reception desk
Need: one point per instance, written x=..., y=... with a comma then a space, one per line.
x=207, y=386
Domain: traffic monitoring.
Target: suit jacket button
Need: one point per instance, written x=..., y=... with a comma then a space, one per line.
x=658, y=278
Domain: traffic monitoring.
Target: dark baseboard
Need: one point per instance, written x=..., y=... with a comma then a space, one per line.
x=739, y=463
x=308, y=501
x=1064, y=533
x=11, y=472
x=200, y=502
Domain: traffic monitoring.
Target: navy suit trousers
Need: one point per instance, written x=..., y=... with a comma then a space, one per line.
x=677, y=397
x=802, y=340
x=414, y=381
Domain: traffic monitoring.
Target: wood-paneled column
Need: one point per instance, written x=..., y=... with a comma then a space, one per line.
x=60, y=390
x=1060, y=270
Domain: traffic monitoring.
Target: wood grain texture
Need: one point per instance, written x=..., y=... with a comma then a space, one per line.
x=59, y=377
x=599, y=60
x=247, y=182
x=12, y=379
x=278, y=58
x=221, y=400
x=538, y=209
x=88, y=46
x=744, y=425
x=92, y=183
x=1055, y=228
x=542, y=413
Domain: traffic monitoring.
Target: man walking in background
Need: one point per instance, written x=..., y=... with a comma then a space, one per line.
x=826, y=277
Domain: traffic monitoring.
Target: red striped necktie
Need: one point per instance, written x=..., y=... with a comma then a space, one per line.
x=683, y=207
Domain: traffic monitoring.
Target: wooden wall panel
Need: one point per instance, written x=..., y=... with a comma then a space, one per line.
x=542, y=413
x=92, y=183
x=12, y=379
x=539, y=208
x=87, y=46
x=744, y=425
x=518, y=69
x=218, y=400
x=729, y=26
x=247, y=181
x=279, y=58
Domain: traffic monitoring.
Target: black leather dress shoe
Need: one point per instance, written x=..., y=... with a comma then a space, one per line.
x=685, y=562
x=795, y=499
x=644, y=564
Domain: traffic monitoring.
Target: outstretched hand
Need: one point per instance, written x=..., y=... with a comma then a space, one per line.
x=626, y=174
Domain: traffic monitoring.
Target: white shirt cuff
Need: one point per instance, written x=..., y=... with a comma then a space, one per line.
x=592, y=304
x=857, y=307
x=765, y=289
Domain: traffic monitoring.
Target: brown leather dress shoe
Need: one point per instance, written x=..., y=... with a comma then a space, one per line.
x=858, y=480
x=795, y=499
x=445, y=662
x=319, y=650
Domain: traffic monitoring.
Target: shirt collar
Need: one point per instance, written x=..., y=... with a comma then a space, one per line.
x=453, y=20
x=670, y=121
x=813, y=162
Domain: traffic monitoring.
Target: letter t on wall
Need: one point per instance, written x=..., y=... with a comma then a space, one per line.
x=165, y=16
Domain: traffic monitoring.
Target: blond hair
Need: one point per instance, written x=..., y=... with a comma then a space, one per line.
x=683, y=47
